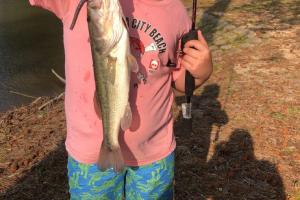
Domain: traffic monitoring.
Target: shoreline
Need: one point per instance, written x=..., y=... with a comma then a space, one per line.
x=29, y=133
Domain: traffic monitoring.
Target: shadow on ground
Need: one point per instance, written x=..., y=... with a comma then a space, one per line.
x=231, y=170
x=283, y=12
x=208, y=23
x=47, y=180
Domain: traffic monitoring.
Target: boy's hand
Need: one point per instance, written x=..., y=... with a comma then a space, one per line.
x=197, y=58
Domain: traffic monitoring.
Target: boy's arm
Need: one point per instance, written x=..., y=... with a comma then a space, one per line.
x=59, y=7
x=197, y=60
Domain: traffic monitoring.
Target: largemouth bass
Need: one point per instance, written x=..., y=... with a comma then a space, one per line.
x=112, y=64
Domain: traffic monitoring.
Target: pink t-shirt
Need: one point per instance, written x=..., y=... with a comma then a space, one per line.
x=155, y=28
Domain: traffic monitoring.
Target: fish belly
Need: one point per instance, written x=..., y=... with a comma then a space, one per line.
x=112, y=90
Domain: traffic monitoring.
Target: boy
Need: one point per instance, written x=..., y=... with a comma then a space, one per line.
x=155, y=28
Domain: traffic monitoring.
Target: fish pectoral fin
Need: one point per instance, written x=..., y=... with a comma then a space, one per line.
x=132, y=63
x=127, y=118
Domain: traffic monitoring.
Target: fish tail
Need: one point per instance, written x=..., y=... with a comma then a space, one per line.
x=110, y=158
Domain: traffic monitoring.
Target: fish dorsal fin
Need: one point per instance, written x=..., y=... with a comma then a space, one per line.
x=132, y=63
x=127, y=118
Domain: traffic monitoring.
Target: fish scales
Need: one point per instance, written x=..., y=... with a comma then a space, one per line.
x=112, y=64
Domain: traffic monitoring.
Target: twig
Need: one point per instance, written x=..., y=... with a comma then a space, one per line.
x=11, y=90
x=14, y=174
x=21, y=94
x=4, y=165
x=51, y=101
x=36, y=100
x=58, y=76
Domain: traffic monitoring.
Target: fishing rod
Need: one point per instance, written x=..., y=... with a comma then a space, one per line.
x=189, y=79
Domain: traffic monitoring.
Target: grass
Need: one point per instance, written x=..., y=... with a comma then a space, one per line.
x=257, y=6
x=294, y=111
x=289, y=150
x=240, y=39
x=297, y=195
x=217, y=67
x=278, y=115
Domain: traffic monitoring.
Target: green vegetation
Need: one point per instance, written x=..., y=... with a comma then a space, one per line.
x=278, y=115
x=294, y=111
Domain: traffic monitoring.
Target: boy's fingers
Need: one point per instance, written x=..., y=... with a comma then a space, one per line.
x=191, y=52
x=189, y=59
x=194, y=44
x=199, y=44
x=186, y=64
x=202, y=39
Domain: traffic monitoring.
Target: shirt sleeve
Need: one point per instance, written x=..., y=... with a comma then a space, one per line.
x=58, y=7
x=185, y=27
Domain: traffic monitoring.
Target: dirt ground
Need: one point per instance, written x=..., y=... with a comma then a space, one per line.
x=244, y=139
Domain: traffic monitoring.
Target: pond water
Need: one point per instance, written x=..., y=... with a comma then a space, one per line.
x=30, y=45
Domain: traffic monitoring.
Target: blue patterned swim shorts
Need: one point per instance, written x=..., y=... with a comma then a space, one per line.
x=153, y=181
